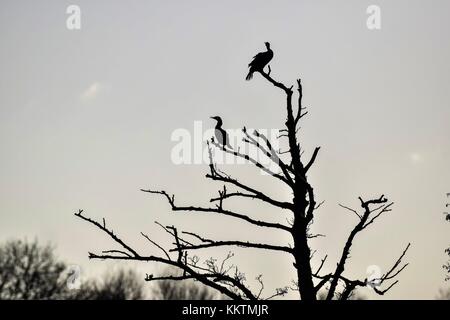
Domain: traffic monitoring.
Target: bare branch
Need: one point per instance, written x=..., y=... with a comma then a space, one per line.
x=157, y=245
x=117, y=251
x=180, y=263
x=321, y=265
x=350, y=209
x=299, y=104
x=219, y=210
x=259, y=279
x=253, y=161
x=392, y=273
x=109, y=232
x=359, y=227
x=278, y=292
x=276, y=84
x=350, y=285
x=270, y=153
x=322, y=282
x=243, y=244
x=313, y=158
x=259, y=195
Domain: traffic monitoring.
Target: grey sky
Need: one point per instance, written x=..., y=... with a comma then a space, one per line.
x=86, y=118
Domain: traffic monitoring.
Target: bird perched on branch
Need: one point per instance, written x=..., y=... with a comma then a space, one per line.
x=221, y=134
x=259, y=61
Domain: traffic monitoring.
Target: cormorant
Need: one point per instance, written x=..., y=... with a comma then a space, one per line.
x=221, y=134
x=260, y=61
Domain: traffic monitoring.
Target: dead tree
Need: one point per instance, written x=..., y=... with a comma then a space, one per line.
x=292, y=171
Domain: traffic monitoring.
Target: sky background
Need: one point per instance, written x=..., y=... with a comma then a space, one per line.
x=86, y=119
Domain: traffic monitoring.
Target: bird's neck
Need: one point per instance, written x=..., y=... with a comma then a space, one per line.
x=219, y=125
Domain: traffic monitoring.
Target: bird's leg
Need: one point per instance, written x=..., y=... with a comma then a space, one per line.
x=270, y=70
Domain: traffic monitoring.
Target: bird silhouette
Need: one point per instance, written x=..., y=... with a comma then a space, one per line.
x=221, y=134
x=259, y=61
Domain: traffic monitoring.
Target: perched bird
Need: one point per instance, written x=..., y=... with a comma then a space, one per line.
x=221, y=134
x=260, y=61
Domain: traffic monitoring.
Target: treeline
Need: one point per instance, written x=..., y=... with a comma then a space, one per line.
x=29, y=270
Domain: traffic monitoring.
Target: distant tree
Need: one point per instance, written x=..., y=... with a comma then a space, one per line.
x=444, y=294
x=118, y=285
x=166, y=289
x=30, y=271
x=355, y=295
x=446, y=266
x=290, y=169
x=186, y=290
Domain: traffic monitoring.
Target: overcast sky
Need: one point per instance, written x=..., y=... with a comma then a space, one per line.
x=86, y=118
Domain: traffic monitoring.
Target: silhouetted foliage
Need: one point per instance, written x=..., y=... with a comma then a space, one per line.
x=355, y=295
x=118, y=285
x=181, y=290
x=446, y=266
x=292, y=169
x=30, y=271
x=185, y=290
x=444, y=294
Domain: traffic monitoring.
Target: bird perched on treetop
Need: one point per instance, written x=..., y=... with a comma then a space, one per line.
x=221, y=134
x=260, y=61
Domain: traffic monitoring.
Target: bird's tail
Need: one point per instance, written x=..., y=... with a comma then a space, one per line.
x=249, y=76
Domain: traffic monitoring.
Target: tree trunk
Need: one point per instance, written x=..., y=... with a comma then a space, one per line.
x=302, y=253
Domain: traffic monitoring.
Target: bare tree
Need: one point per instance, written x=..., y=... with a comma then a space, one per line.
x=292, y=171
x=30, y=271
